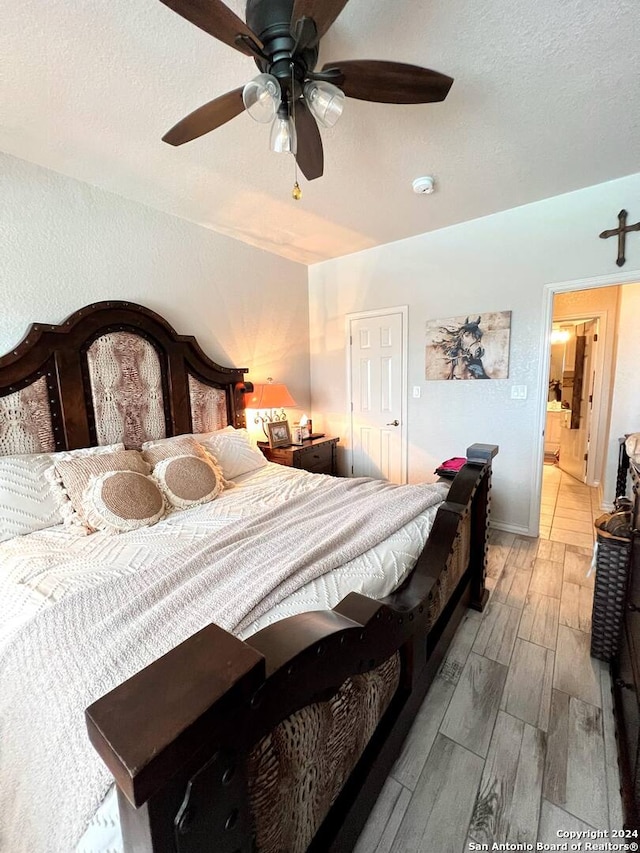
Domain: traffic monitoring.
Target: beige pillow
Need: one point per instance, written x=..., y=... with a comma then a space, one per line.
x=188, y=480
x=185, y=472
x=75, y=472
x=120, y=501
x=165, y=448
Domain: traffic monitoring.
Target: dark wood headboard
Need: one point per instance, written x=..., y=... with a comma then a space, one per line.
x=112, y=371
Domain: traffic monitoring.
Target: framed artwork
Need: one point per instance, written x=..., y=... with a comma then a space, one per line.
x=279, y=434
x=469, y=347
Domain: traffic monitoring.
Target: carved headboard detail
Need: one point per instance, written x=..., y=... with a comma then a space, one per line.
x=112, y=371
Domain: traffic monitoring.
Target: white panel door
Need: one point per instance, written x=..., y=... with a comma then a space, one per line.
x=377, y=396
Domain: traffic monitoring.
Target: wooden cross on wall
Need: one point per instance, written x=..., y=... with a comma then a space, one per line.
x=621, y=231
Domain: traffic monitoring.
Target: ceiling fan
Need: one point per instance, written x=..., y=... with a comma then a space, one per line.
x=283, y=37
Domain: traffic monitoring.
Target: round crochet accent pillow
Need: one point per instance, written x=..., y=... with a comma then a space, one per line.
x=188, y=480
x=119, y=501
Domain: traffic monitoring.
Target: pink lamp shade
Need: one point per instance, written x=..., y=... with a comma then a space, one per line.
x=270, y=396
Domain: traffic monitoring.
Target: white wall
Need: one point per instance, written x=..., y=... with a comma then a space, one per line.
x=625, y=406
x=497, y=263
x=66, y=244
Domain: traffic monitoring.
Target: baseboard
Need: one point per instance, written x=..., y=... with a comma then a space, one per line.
x=519, y=529
x=604, y=506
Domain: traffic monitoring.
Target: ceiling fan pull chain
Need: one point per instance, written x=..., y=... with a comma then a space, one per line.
x=296, y=192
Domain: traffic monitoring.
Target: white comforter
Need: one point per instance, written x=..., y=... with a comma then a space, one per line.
x=41, y=568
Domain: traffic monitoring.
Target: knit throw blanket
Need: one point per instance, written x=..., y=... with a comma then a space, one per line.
x=73, y=652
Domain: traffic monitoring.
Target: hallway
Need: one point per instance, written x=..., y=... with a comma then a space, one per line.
x=568, y=509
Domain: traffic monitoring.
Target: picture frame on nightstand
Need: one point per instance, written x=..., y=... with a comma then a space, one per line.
x=279, y=434
x=297, y=435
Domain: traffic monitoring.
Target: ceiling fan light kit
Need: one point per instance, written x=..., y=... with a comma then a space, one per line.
x=283, y=139
x=261, y=97
x=283, y=38
x=325, y=101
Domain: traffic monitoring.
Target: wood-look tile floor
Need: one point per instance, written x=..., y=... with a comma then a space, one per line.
x=568, y=509
x=514, y=740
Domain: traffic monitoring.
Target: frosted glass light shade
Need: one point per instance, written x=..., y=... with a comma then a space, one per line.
x=262, y=97
x=283, y=136
x=325, y=101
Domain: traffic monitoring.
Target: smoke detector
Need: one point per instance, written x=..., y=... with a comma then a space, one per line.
x=424, y=186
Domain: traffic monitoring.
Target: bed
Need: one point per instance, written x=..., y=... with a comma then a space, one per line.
x=272, y=732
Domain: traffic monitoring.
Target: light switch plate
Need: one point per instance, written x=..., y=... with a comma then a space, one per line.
x=518, y=392
x=416, y=392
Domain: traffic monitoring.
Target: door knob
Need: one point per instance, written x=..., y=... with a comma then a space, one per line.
x=394, y=423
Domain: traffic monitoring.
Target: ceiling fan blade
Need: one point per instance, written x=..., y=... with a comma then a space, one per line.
x=310, y=156
x=217, y=19
x=206, y=118
x=390, y=82
x=323, y=12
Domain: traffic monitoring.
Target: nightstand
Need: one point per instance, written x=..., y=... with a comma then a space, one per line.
x=317, y=455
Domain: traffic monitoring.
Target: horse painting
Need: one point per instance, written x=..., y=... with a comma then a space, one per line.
x=462, y=348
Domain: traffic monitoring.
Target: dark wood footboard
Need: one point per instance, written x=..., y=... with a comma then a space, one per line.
x=178, y=736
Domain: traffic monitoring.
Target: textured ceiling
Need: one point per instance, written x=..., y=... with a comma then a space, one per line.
x=546, y=100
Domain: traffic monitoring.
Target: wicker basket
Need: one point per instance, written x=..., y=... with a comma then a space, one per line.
x=610, y=593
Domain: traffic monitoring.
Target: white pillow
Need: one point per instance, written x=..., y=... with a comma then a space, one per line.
x=29, y=500
x=233, y=450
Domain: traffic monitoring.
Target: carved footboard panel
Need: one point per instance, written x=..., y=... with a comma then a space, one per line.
x=297, y=771
x=282, y=743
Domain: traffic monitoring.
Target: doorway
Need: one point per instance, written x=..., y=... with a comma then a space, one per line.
x=377, y=391
x=575, y=387
x=601, y=420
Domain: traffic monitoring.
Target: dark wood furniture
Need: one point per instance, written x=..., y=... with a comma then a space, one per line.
x=57, y=356
x=317, y=455
x=625, y=668
x=177, y=736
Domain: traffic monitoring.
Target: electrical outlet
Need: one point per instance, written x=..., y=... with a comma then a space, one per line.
x=416, y=392
x=518, y=392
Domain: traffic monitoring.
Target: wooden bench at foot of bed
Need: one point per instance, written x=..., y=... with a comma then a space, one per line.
x=236, y=746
